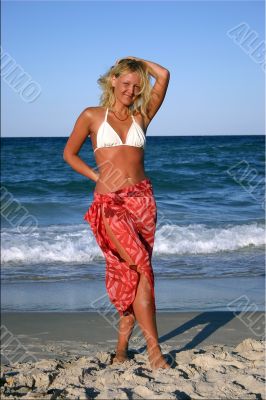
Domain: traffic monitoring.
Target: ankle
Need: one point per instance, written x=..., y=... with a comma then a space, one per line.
x=122, y=347
x=121, y=352
x=154, y=346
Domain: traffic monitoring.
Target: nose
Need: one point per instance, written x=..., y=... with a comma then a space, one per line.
x=131, y=90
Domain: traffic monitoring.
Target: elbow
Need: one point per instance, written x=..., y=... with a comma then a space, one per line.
x=66, y=156
x=167, y=74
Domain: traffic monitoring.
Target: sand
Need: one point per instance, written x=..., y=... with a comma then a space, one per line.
x=213, y=355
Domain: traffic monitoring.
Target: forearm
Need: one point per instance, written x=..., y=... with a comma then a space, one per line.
x=81, y=167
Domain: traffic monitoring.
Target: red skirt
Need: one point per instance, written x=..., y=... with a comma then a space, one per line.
x=131, y=214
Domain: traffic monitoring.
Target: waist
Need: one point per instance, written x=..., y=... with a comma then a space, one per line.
x=139, y=189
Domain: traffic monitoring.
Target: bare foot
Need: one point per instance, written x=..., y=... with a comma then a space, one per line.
x=156, y=358
x=120, y=357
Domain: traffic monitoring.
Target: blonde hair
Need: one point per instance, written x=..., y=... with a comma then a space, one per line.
x=124, y=66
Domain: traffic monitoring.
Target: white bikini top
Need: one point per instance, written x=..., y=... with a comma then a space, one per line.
x=108, y=137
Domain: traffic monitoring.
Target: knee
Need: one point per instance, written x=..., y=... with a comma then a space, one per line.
x=127, y=323
x=146, y=301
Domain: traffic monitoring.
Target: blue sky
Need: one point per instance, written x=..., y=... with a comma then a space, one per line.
x=216, y=86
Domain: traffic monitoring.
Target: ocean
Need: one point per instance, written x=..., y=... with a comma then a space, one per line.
x=209, y=251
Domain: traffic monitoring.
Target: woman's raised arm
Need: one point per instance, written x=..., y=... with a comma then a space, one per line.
x=78, y=136
x=162, y=77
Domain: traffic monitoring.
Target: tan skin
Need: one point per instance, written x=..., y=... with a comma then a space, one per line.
x=119, y=167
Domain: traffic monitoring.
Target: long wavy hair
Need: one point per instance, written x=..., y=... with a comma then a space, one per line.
x=127, y=65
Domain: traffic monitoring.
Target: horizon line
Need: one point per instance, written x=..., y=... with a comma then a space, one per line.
x=192, y=135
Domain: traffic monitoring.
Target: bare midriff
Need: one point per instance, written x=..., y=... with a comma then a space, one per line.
x=119, y=167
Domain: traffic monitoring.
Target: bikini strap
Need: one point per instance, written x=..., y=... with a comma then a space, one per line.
x=105, y=118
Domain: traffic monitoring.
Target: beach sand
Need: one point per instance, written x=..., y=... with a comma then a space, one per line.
x=57, y=355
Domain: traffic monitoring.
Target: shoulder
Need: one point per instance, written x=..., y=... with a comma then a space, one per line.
x=90, y=115
x=92, y=112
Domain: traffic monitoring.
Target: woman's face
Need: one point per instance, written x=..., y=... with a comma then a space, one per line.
x=126, y=87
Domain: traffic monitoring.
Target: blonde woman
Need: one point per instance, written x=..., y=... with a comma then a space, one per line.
x=123, y=213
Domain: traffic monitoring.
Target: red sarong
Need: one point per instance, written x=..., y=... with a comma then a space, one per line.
x=131, y=213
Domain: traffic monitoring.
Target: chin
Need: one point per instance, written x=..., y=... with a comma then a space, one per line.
x=128, y=99
x=128, y=103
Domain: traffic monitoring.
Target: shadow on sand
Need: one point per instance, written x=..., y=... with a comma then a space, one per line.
x=212, y=321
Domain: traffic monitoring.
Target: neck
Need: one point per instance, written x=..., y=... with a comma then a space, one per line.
x=120, y=109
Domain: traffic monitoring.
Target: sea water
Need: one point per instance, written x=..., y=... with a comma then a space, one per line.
x=209, y=246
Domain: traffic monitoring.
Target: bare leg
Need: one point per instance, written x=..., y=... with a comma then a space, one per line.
x=143, y=310
x=146, y=318
x=126, y=325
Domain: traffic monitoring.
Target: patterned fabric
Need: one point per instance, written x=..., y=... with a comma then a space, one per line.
x=131, y=213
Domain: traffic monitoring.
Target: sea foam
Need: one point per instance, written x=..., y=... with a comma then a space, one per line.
x=76, y=243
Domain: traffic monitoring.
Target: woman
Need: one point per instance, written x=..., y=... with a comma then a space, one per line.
x=123, y=213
